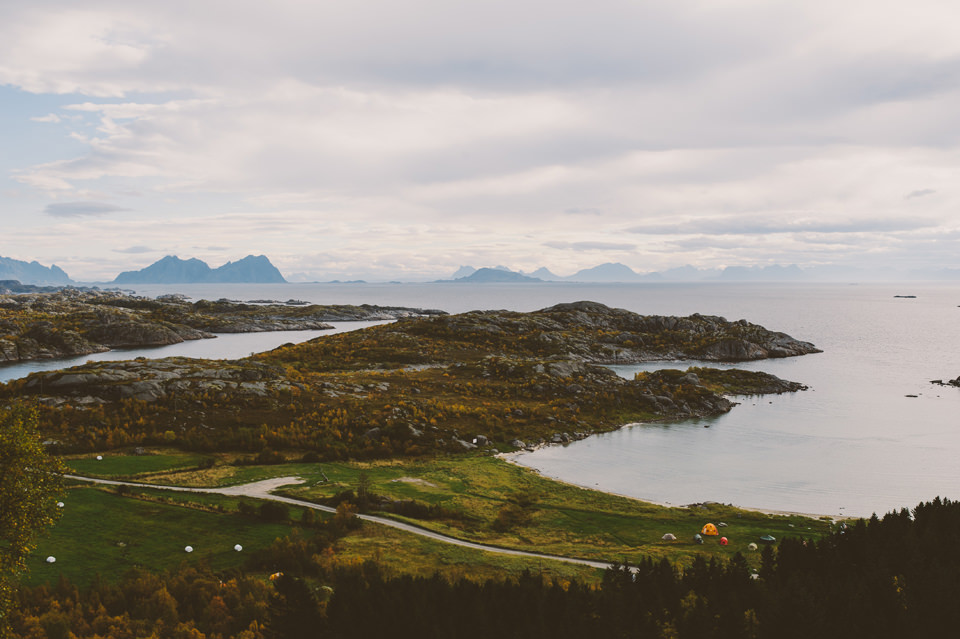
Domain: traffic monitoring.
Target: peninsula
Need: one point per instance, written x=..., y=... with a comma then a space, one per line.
x=73, y=322
x=421, y=385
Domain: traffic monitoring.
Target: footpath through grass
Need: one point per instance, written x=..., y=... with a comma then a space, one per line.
x=494, y=502
x=482, y=499
x=103, y=532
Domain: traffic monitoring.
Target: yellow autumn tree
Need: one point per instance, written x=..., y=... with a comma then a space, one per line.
x=30, y=481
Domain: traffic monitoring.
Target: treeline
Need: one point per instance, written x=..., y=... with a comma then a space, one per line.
x=891, y=577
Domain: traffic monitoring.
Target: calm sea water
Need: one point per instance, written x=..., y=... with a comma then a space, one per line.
x=853, y=444
x=224, y=346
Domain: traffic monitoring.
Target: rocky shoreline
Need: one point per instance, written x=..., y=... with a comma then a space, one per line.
x=950, y=382
x=417, y=386
x=74, y=322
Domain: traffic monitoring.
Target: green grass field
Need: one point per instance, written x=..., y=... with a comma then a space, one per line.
x=113, y=465
x=102, y=532
x=564, y=520
x=567, y=520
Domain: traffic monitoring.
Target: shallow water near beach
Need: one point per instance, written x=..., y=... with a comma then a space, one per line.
x=853, y=444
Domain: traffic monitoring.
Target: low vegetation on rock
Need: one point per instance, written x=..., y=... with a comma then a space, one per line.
x=489, y=380
x=74, y=322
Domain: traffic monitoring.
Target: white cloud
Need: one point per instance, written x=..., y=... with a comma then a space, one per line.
x=591, y=246
x=485, y=129
x=52, y=117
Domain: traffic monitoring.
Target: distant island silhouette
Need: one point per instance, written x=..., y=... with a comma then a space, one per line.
x=253, y=269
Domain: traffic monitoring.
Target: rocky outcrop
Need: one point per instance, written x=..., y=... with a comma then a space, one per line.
x=8, y=287
x=949, y=382
x=224, y=316
x=72, y=322
x=593, y=332
x=127, y=333
x=407, y=388
x=154, y=379
x=730, y=381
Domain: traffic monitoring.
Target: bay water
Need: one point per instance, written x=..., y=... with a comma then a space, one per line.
x=871, y=434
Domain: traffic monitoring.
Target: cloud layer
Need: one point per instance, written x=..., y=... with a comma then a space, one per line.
x=403, y=139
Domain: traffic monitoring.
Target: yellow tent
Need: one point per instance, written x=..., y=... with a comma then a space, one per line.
x=709, y=529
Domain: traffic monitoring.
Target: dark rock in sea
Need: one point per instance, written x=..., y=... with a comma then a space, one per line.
x=950, y=382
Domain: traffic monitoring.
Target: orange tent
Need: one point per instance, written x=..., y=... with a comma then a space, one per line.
x=709, y=530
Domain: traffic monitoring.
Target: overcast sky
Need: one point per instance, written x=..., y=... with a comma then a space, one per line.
x=390, y=139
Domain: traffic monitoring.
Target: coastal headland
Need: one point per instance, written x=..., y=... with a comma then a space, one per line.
x=70, y=322
x=485, y=380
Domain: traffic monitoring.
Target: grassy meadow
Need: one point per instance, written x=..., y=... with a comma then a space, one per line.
x=105, y=530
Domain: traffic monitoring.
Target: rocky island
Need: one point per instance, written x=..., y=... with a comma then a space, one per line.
x=949, y=382
x=420, y=385
x=72, y=322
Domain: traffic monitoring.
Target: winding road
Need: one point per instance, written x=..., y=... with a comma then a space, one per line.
x=263, y=490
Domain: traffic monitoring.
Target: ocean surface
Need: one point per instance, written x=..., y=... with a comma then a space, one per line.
x=872, y=433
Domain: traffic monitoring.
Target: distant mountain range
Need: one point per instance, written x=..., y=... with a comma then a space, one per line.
x=253, y=269
x=617, y=273
x=33, y=273
x=490, y=275
x=609, y=272
x=173, y=270
x=258, y=269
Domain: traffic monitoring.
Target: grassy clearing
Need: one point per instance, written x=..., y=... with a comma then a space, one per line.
x=104, y=533
x=565, y=520
x=404, y=553
x=120, y=465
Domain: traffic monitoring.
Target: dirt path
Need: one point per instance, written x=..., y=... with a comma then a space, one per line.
x=263, y=490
